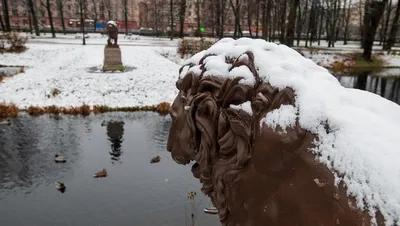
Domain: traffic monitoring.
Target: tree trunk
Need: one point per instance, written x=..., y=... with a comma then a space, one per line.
x=48, y=7
x=95, y=15
x=346, y=24
x=223, y=4
x=218, y=18
x=2, y=24
x=291, y=23
x=171, y=11
x=236, y=14
x=61, y=10
x=182, y=13
x=257, y=17
x=386, y=27
x=249, y=16
x=34, y=18
x=301, y=21
x=372, y=15
x=6, y=15
x=393, y=30
x=264, y=21
x=212, y=18
x=322, y=14
x=126, y=16
x=198, y=18
x=82, y=21
x=283, y=21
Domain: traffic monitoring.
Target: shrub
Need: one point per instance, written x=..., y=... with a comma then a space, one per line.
x=190, y=46
x=15, y=42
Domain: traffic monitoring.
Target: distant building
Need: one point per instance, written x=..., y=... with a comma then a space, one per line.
x=142, y=14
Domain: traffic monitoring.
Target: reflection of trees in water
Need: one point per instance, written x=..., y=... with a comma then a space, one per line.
x=387, y=87
x=160, y=131
x=27, y=151
x=361, y=81
x=115, y=133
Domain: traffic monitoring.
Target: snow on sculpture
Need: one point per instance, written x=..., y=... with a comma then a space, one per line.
x=277, y=141
x=112, y=30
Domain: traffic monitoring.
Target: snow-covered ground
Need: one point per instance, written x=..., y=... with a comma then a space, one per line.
x=362, y=147
x=321, y=55
x=98, y=39
x=67, y=68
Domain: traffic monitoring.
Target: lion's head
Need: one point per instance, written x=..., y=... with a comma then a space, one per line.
x=213, y=121
x=254, y=174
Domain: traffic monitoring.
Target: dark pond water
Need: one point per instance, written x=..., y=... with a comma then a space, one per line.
x=385, y=86
x=134, y=193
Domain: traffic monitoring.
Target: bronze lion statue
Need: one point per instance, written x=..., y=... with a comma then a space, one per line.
x=254, y=174
x=112, y=30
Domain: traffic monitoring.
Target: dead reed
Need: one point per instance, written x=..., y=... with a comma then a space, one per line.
x=11, y=110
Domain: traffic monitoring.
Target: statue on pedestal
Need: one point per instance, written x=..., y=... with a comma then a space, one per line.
x=112, y=52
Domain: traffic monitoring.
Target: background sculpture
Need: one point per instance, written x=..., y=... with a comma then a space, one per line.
x=112, y=30
x=112, y=52
x=254, y=174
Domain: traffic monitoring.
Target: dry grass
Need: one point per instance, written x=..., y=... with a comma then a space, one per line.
x=356, y=61
x=55, y=92
x=8, y=110
x=163, y=108
x=11, y=110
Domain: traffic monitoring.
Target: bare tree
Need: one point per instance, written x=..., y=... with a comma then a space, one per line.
x=373, y=12
x=34, y=18
x=107, y=5
x=171, y=11
x=125, y=3
x=60, y=7
x=347, y=14
x=95, y=14
x=182, y=13
x=393, y=30
x=292, y=22
x=47, y=5
x=6, y=15
x=81, y=13
x=236, y=8
x=2, y=24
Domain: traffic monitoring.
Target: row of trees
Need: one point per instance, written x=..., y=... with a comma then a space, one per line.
x=286, y=21
x=309, y=20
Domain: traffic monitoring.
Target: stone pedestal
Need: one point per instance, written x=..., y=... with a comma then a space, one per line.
x=112, y=59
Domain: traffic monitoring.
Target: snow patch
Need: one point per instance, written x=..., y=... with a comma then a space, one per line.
x=284, y=117
x=246, y=107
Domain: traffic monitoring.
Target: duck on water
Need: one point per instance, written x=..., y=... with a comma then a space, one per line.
x=6, y=122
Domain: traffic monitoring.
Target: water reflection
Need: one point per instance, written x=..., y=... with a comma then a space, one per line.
x=27, y=150
x=115, y=133
x=138, y=193
x=385, y=86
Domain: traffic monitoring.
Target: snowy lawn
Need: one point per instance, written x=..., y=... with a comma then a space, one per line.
x=362, y=147
x=66, y=68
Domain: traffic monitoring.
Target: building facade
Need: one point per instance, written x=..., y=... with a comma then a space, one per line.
x=141, y=14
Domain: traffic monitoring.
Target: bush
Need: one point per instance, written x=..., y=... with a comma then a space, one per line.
x=190, y=46
x=15, y=42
